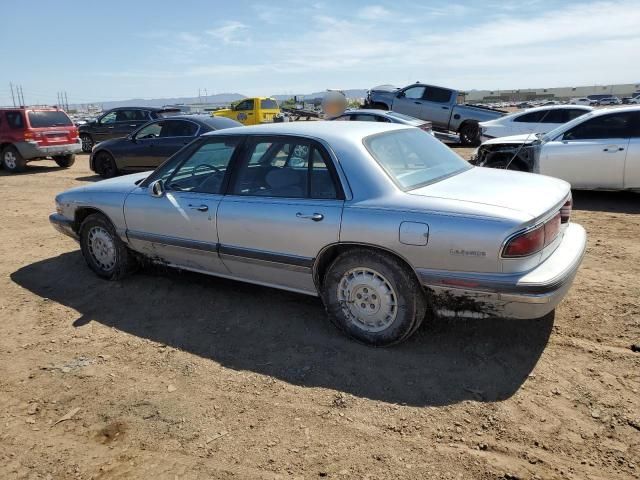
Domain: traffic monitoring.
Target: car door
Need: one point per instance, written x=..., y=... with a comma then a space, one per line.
x=283, y=207
x=140, y=149
x=178, y=226
x=104, y=127
x=591, y=155
x=175, y=134
x=632, y=163
x=409, y=101
x=436, y=106
x=245, y=112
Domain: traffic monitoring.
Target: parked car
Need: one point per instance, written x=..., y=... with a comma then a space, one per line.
x=436, y=104
x=118, y=122
x=599, y=150
x=152, y=144
x=367, y=115
x=34, y=133
x=635, y=100
x=251, y=111
x=384, y=222
x=534, y=120
x=584, y=101
x=609, y=101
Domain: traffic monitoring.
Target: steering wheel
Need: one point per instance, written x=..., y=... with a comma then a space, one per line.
x=205, y=166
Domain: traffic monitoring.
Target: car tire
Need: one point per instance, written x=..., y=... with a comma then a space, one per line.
x=470, y=134
x=373, y=297
x=12, y=161
x=105, y=165
x=65, y=161
x=87, y=142
x=102, y=249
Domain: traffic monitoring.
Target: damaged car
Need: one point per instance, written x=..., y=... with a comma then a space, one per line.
x=596, y=151
x=383, y=222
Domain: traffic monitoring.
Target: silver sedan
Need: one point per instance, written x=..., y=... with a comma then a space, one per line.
x=384, y=223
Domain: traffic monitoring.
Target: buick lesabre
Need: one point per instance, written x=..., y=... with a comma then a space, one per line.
x=383, y=222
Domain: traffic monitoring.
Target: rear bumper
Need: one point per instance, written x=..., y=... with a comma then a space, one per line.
x=31, y=150
x=529, y=295
x=63, y=225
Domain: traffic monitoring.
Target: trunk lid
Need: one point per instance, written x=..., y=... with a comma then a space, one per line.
x=532, y=194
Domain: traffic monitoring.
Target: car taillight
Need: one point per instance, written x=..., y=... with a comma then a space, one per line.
x=532, y=241
x=427, y=127
x=30, y=135
x=565, y=211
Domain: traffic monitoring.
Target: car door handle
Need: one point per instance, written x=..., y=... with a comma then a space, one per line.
x=445, y=108
x=110, y=128
x=133, y=125
x=316, y=217
x=613, y=148
x=200, y=208
x=418, y=103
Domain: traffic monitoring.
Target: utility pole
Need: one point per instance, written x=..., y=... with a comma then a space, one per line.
x=66, y=102
x=21, y=96
x=12, y=97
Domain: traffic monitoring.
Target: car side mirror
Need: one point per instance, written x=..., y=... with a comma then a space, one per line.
x=156, y=188
x=400, y=95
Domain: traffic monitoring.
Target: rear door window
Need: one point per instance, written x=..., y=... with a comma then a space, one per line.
x=557, y=115
x=48, y=118
x=178, y=128
x=14, y=120
x=436, y=94
x=531, y=117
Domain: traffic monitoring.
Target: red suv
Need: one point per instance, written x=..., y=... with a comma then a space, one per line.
x=34, y=133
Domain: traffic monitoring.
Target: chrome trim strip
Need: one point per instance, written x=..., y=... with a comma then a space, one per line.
x=264, y=256
x=173, y=241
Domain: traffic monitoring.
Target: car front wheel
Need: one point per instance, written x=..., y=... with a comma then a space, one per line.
x=373, y=297
x=103, y=250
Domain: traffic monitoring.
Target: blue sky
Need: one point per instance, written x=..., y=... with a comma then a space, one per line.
x=115, y=49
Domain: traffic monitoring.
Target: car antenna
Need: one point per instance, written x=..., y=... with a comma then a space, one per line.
x=524, y=142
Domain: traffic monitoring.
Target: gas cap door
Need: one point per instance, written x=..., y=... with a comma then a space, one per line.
x=414, y=233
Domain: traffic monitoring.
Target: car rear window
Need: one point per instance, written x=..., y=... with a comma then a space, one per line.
x=48, y=118
x=268, y=103
x=414, y=158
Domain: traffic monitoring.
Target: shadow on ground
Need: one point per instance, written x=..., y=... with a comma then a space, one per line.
x=287, y=336
x=89, y=178
x=33, y=169
x=611, y=202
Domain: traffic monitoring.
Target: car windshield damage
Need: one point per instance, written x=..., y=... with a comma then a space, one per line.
x=48, y=118
x=413, y=158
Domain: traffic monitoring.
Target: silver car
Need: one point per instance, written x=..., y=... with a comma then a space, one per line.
x=383, y=222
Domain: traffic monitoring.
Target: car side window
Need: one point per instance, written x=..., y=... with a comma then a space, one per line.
x=364, y=118
x=140, y=115
x=178, y=128
x=15, y=121
x=204, y=169
x=414, y=93
x=436, y=94
x=245, y=105
x=108, y=118
x=557, y=115
x=615, y=125
x=342, y=118
x=285, y=168
x=150, y=131
x=531, y=117
x=574, y=113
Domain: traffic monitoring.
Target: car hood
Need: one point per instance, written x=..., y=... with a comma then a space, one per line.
x=528, y=193
x=123, y=184
x=525, y=138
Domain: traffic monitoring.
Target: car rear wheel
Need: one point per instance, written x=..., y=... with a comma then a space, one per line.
x=373, y=297
x=105, y=165
x=104, y=252
x=87, y=142
x=12, y=160
x=65, y=161
x=470, y=134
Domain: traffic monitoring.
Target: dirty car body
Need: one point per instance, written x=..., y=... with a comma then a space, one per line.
x=377, y=219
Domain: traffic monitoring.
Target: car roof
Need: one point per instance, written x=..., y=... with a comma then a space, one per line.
x=604, y=111
x=323, y=130
x=586, y=108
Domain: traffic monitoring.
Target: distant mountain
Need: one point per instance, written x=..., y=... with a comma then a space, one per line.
x=350, y=93
x=220, y=98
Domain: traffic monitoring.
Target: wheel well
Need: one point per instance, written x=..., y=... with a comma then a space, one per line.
x=329, y=254
x=81, y=214
x=4, y=145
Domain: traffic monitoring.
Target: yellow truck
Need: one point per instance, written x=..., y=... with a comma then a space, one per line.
x=251, y=111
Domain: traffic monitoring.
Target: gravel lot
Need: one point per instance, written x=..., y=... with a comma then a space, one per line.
x=172, y=375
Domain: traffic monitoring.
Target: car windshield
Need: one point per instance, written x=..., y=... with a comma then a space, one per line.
x=413, y=158
x=48, y=118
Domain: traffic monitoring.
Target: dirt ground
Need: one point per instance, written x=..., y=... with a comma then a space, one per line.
x=170, y=375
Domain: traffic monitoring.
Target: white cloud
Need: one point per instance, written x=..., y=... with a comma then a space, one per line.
x=373, y=12
x=231, y=33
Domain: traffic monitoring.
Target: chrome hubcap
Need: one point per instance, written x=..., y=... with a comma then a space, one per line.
x=10, y=160
x=102, y=248
x=86, y=143
x=367, y=299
